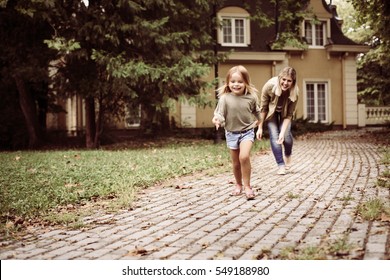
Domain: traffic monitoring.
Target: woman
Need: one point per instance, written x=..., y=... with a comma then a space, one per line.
x=279, y=99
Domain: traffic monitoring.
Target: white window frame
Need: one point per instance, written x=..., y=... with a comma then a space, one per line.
x=325, y=26
x=317, y=100
x=233, y=18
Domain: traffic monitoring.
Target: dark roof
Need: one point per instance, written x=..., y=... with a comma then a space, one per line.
x=337, y=35
x=262, y=37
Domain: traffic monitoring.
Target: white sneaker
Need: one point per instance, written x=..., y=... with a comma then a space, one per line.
x=287, y=160
x=281, y=170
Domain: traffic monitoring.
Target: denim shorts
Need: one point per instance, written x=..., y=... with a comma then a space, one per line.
x=233, y=139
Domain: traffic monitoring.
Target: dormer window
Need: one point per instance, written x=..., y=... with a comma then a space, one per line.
x=316, y=33
x=234, y=28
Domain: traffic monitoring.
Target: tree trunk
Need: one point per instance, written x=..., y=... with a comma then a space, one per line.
x=29, y=110
x=90, y=123
x=147, y=117
x=99, y=124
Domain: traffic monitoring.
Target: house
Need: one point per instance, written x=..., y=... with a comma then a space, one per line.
x=326, y=69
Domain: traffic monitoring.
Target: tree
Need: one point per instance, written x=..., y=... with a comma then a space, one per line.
x=288, y=15
x=24, y=60
x=367, y=22
x=140, y=52
x=143, y=52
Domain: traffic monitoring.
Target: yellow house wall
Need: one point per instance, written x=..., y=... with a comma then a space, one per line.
x=318, y=9
x=315, y=65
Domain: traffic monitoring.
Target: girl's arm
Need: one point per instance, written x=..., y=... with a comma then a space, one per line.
x=219, y=113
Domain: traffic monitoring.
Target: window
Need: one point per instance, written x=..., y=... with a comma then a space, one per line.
x=315, y=33
x=234, y=31
x=132, y=116
x=234, y=27
x=317, y=102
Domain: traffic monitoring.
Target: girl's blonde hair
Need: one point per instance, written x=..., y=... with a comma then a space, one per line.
x=289, y=71
x=249, y=88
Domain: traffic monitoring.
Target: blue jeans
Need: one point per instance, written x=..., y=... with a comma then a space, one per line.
x=233, y=140
x=274, y=127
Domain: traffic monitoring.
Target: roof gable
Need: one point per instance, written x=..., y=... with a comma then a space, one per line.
x=262, y=38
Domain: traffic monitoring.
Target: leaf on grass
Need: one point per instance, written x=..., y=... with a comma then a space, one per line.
x=70, y=185
x=9, y=225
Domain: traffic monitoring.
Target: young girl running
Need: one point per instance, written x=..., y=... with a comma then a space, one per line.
x=238, y=111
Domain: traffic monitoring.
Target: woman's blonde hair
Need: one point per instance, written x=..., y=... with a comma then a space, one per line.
x=245, y=76
x=289, y=71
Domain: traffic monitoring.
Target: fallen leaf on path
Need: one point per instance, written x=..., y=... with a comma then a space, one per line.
x=385, y=217
x=138, y=251
x=183, y=187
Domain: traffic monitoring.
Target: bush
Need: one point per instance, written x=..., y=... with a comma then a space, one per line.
x=302, y=126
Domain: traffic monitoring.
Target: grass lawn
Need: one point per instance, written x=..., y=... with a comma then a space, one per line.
x=60, y=187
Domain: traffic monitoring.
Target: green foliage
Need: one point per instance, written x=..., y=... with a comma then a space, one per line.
x=33, y=183
x=372, y=209
x=290, y=14
x=302, y=126
x=63, y=46
x=374, y=77
x=338, y=247
x=367, y=22
x=383, y=179
x=289, y=40
x=139, y=52
x=307, y=253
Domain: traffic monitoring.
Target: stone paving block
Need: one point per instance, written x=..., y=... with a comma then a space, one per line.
x=70, y=255
x=119, y=243
x=97, y=254
x=204, y=255
x=201, y=221
x=373, y=256
x=163, y=253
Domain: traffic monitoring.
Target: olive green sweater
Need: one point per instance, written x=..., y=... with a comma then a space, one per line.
x=238, y=113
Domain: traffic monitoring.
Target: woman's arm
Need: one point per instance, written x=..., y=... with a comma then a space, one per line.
x=285, y=124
